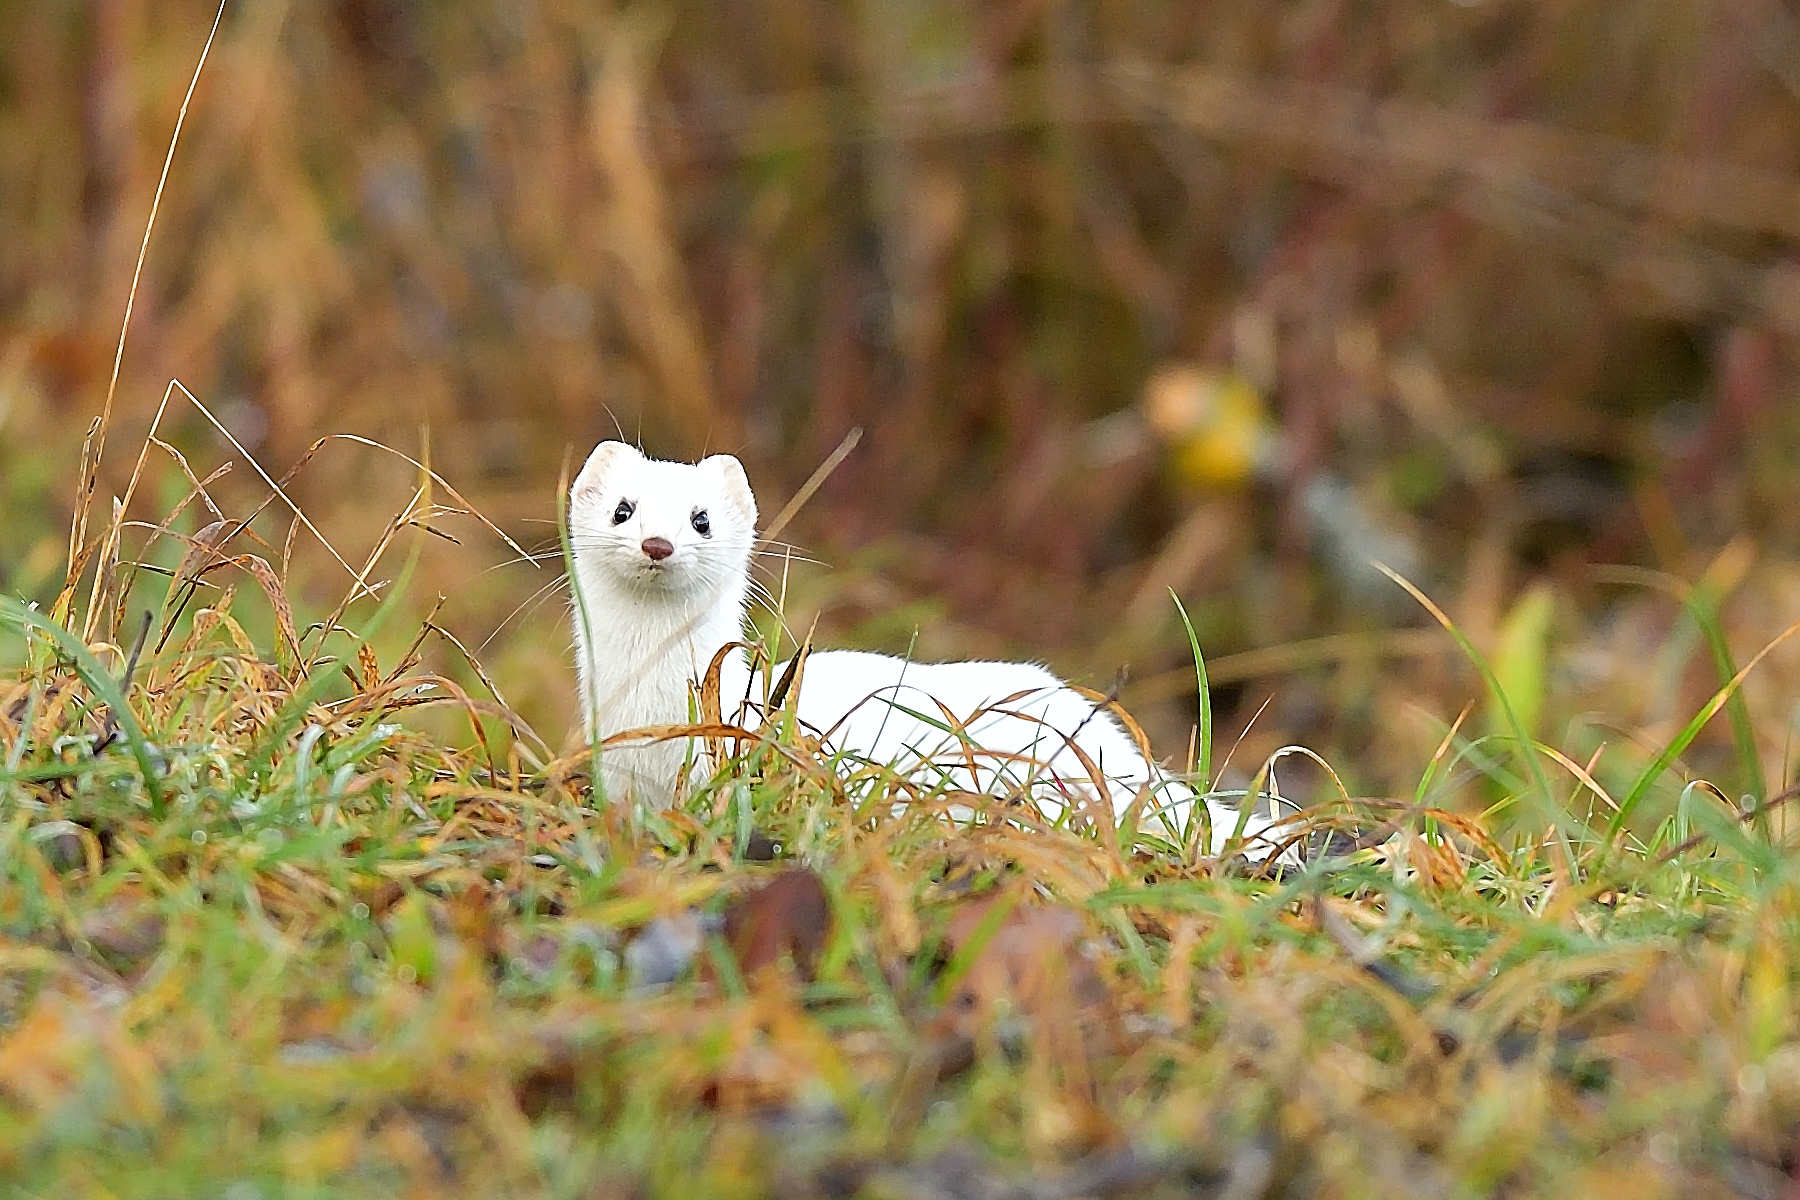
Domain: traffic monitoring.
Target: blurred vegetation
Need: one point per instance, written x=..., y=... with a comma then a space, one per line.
x=1509, y=288
x=258, y=938
x=1223, y=299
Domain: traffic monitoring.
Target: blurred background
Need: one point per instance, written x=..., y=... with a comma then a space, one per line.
x=1225, y=298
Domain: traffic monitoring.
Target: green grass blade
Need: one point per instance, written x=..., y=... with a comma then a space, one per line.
x=293, y=713
x=1524, y=745
x=1203, y=766
x=1647, y=778
x=1520, y=660
x=1702, y=604
x=99, y=681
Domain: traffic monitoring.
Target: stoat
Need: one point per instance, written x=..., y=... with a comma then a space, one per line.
x=662, y=575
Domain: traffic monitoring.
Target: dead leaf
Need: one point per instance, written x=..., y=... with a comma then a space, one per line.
x=788, y=917
x=1032, y=964
x=371, y=669
x=125, y=929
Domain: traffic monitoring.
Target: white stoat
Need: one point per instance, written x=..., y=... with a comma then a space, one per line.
x=662, y=570
x=662, y=561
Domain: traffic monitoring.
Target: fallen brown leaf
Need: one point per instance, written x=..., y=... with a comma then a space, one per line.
x=787, y=918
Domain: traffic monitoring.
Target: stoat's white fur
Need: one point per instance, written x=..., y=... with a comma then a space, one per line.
x=994, y=728
x=647, y=629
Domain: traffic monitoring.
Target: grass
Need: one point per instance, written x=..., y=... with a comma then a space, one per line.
x=293, y=902
x=268, y=933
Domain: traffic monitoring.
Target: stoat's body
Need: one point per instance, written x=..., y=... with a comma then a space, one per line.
x=996, y=728
x=662, y=560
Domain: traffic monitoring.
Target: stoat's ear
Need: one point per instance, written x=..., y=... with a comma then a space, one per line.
x=733, y=482
x=593, y=473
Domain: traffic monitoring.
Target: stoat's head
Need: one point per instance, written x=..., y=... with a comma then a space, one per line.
x=662, y=526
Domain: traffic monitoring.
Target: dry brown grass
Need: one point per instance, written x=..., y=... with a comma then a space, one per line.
x=302, y=894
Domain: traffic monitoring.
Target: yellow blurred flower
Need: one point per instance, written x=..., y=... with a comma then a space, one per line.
x=1214, y=422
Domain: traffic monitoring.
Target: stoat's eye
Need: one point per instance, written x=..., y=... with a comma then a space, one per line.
x=623, y=513
x=701, y=524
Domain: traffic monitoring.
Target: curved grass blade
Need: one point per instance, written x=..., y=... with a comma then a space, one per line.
x=1702, y=604
x=99, y=681
x=1647, y=778
x=1524, y=746
x=300, y=702
x=1203, y=765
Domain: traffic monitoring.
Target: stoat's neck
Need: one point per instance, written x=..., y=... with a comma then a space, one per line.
x=641, y=649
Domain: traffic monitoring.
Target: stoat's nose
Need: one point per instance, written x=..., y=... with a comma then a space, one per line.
x=657, y=549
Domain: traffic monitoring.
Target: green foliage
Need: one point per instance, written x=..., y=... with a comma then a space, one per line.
x=341, y=956
x=1522, y=657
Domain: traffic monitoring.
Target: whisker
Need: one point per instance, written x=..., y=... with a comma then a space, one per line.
x=762, y=595
x=546, y=556
x=533, y=601
x=784, y=550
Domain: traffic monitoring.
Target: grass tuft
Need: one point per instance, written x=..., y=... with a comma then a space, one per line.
x=287, y=932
